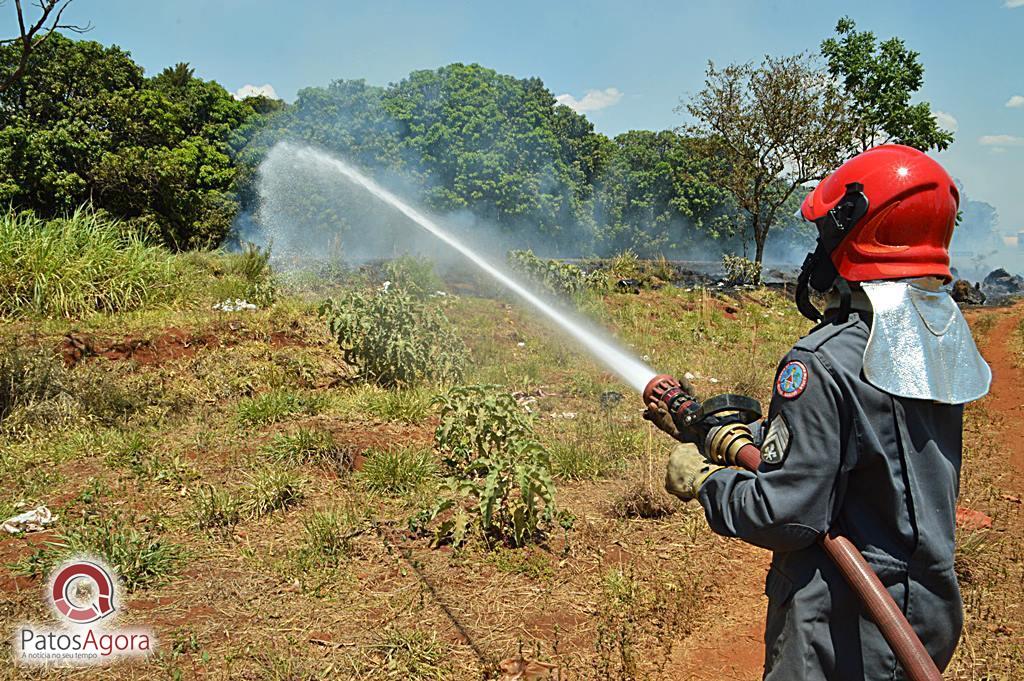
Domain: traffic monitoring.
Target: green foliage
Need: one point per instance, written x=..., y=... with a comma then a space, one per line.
x=76, y=266
x=879, y=80
x=394, y=339
x=740, y=270
x=554, y=277
x=499, y=485
x=137, y=553
x=398, y=471
x=276, y=406
x=768, y=129
x=328, y=537
x=84, y=124
x=269, y=489
x=413, y=275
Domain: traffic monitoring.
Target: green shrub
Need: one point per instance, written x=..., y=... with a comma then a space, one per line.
x=413, y=275
x=276, y=406
x=554, y=277
x=79, y=265
x=395, y=340
x=740, y=270
x=499, y=485
x=397, y=472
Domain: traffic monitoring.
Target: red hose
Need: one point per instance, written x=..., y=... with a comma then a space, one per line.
x=881, y=608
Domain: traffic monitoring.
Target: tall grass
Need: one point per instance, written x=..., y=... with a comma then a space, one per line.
x=78, y=265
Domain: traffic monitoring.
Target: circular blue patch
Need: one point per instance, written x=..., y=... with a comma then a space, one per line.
x=792, y=380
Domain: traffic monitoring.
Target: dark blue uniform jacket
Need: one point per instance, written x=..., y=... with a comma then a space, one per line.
x=882, y=470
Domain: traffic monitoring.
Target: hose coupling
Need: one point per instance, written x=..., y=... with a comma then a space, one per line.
x=724, y=442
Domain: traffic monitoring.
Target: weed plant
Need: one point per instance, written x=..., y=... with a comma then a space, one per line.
x=270, y=489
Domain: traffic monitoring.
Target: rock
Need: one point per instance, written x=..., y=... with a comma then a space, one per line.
x=1001, y=282
x=969, y=519
x=965, y=294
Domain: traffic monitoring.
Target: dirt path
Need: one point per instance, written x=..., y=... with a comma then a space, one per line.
x=732, y=647
x=1006, y=401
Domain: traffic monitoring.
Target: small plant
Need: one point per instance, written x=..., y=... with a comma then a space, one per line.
x=499, y=484
x=413, y=275
x=215, y=510
x=392, y=339
x=409, y=405
x=397, y=472
x=554, y=277
x=310, y=446
x=740, y=270
x=585, y=450
x=271, y=489
x=328, y=537
x=411, y=654
x=137, y=553
x=277, y=405
x=27, y=377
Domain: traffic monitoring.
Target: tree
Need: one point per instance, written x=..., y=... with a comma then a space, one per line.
x=878, y=81
x=83, y=124
x=33, y=34
x=768, y=130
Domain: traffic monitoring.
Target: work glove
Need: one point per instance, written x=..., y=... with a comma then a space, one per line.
x=687, y=471
x=657, y=412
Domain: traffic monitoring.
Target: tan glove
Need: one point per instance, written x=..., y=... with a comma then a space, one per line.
x=687, y=471
x=657, y=413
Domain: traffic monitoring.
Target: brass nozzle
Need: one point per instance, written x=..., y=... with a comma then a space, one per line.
x=725, y=442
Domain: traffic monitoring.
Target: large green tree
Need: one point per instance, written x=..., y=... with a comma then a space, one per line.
x=879, y=79
x=656, y=197
x=85, y=125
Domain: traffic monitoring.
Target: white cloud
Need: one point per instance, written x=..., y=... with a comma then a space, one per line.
x=1013, y=3
x=1001, y=140
x=267, y=90
x=948, y=121
x=1017, y=101
x=594, y=100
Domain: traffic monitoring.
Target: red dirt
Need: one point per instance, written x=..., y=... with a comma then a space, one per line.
x=172, y=343
x=732, y=647
x=1007, y=397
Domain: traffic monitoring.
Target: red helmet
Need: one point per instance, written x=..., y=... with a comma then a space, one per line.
x=911, y=211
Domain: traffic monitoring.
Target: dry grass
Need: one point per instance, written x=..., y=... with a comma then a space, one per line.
x=318, y=563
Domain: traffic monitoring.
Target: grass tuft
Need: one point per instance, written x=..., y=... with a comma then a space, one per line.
x=215, y=510
x=80, y=265
x=271, y=489
x=276, y=406
x=397, y=472
x=311, y=446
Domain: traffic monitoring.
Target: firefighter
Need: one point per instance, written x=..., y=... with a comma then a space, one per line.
x=864, y=429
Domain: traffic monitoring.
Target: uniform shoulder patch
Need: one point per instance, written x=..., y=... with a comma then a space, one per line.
x=792, y=380
x=776, y=441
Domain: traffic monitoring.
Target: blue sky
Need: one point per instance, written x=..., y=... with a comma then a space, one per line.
x=638, y=58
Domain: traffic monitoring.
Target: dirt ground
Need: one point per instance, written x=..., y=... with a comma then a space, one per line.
x=617, y=597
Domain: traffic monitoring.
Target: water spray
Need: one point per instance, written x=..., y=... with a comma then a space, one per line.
x=719, y=424
x=634, y=372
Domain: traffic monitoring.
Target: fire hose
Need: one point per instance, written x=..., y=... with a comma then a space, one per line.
x=720, y=423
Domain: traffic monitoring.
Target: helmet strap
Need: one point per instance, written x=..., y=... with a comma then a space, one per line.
x=818, y=271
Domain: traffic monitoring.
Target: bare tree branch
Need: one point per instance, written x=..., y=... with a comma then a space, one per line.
x=31, y=36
